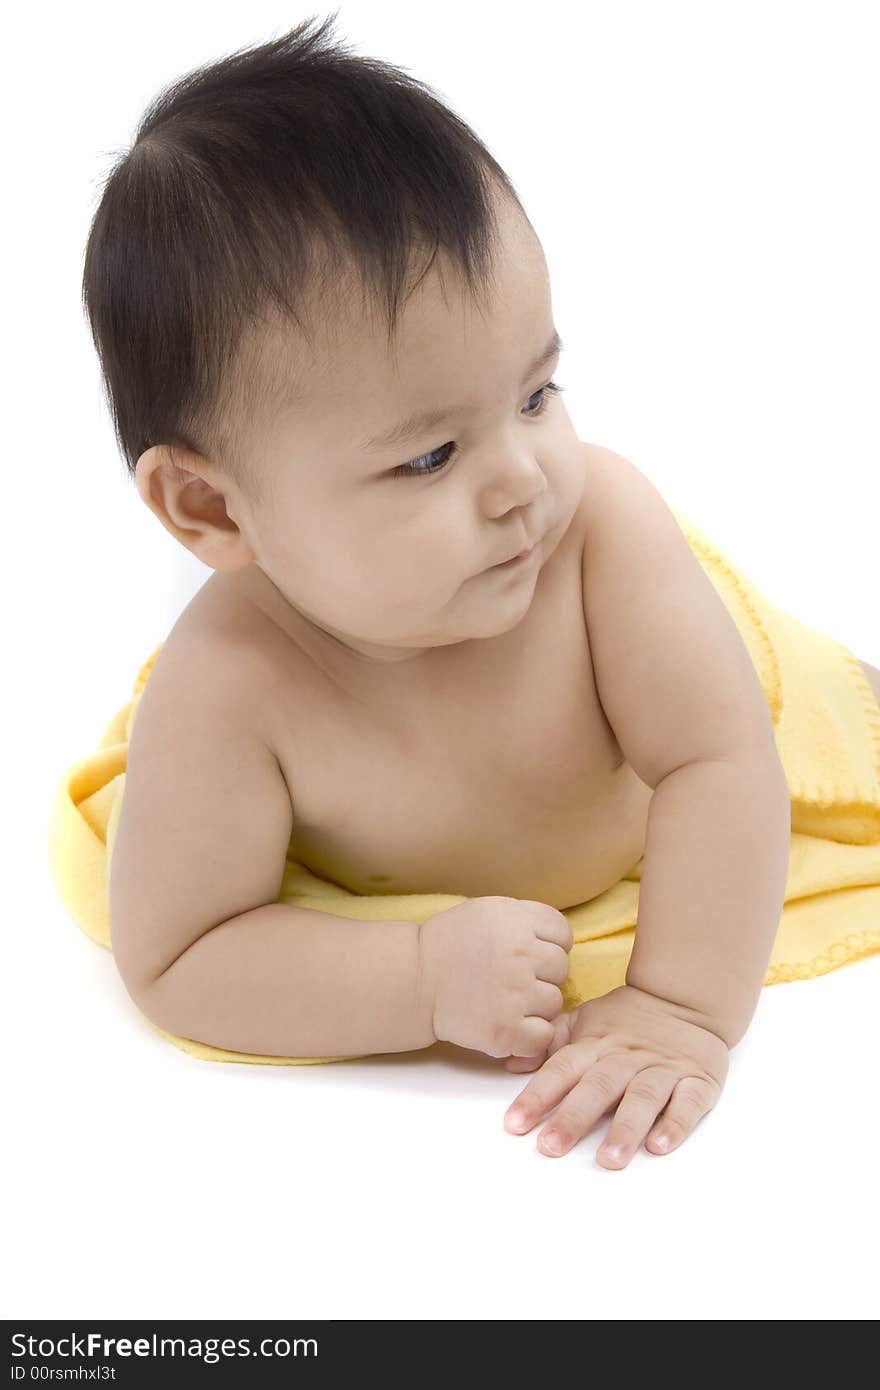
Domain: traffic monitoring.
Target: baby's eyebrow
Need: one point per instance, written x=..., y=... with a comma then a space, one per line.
x=427, y=419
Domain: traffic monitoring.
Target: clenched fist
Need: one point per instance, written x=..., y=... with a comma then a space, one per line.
x=493, y=968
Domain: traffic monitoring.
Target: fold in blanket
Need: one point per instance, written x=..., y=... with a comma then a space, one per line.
x=827, y=727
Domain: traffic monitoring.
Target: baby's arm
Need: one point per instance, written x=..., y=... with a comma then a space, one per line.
x=203, y=947
x=686, y=705
x=683, y=697
x=713, y=888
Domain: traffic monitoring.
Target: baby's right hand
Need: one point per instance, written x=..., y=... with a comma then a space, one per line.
x=493, y=968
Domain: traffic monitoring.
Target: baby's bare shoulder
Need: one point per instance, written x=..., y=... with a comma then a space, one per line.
x=220, y=651
x=207, y=813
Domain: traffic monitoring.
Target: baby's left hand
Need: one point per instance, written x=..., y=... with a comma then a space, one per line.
x=627, y=1046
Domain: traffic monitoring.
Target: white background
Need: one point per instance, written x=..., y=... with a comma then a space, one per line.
x=704, y=181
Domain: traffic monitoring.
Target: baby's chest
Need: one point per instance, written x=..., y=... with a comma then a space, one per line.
x=520, y=792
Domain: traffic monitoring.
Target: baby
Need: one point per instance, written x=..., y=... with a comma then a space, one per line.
x=447, y=646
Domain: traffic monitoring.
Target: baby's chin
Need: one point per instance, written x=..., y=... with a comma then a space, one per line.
x=500, y=607
x=489, y=618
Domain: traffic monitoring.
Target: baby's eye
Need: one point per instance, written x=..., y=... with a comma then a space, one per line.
x=446, y=452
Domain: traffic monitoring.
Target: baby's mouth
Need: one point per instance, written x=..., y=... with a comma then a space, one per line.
x=516, y=560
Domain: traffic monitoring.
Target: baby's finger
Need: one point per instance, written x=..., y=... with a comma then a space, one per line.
x=559, y=1074
x=561, y=1032
x=518, y=1064
x=551, y=962
x=594, y=1093
x=529, y=1037
x=544, y=1001
x=690, y=1101
x=557, y=928
x=644, y=1098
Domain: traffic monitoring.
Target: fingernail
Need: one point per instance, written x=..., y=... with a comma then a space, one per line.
x=661, y=1141
x=515, y=1118
x=552, y=1141
x=612, y=1152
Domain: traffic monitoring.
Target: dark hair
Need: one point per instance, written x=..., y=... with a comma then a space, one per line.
x=252, y=183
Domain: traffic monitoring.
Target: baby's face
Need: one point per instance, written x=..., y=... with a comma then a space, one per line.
x=382, y=532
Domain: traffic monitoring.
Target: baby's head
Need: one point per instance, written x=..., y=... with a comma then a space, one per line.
x=303, y=251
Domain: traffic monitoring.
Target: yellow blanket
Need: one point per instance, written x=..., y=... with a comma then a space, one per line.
x=827, y=728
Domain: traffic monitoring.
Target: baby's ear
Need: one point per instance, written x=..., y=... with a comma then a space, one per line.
x=194, y=503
